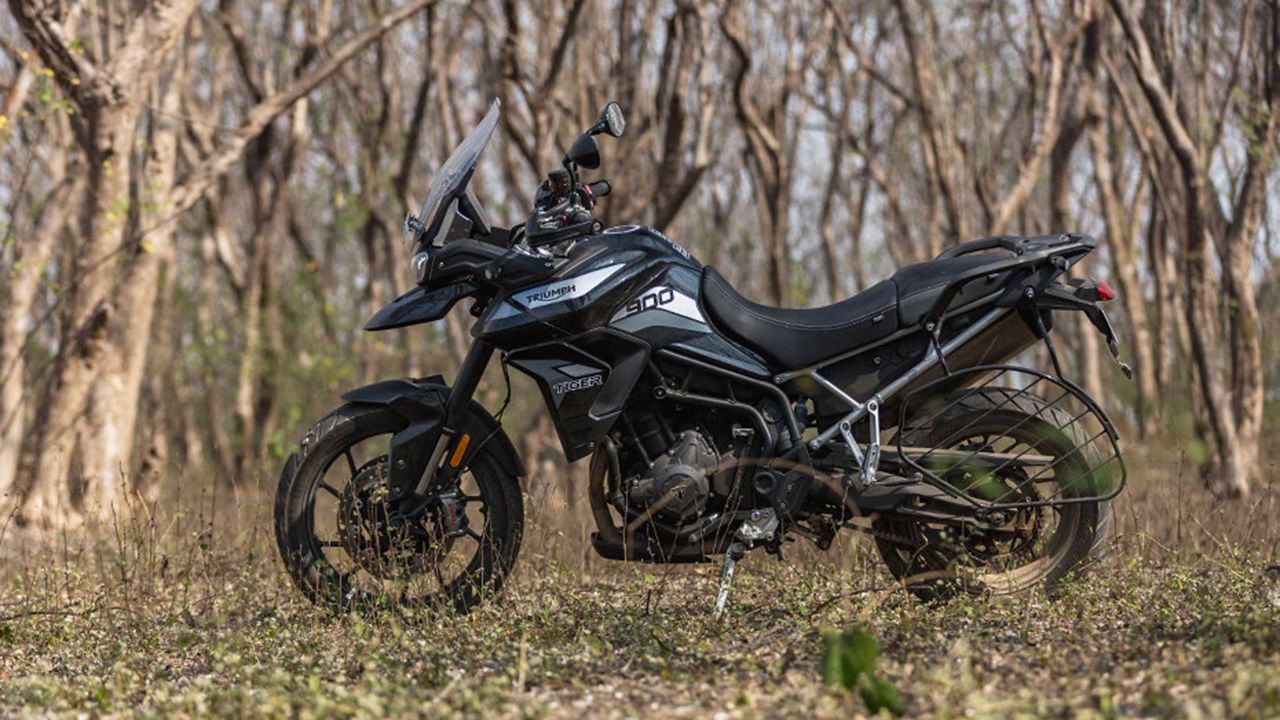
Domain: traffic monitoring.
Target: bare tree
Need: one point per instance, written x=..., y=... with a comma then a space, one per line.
x=1232, y=400
x=108, y=84
x=767, y=119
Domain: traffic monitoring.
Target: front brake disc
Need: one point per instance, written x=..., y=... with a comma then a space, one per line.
x=373, y=532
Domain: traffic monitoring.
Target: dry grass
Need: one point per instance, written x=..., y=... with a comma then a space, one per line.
x=191, y=615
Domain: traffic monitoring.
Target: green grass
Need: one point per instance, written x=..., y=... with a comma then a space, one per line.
x=190, y=616
x=224, y=633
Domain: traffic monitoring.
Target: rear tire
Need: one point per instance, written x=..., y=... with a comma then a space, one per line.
x=313, y=562
x=933, y=572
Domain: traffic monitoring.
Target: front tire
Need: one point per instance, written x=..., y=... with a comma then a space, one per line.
x=322, y=523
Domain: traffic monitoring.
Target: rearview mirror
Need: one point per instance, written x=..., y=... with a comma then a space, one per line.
x=585, y=152
x=612, y=120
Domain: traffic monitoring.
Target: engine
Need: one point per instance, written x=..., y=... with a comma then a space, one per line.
x=667, y=479
x=677, y=486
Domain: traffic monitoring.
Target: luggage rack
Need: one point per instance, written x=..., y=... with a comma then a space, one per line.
x=1067, y=409
x=1061, y=408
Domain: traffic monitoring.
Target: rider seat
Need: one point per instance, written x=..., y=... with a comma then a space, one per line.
x=792, y=338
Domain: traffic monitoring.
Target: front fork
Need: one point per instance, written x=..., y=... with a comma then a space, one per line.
x=443, y=476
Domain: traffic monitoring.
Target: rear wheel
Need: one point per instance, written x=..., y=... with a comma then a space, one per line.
x=346, y=545
x=1037, y=545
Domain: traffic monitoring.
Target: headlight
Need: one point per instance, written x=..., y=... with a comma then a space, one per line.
x=421, y=266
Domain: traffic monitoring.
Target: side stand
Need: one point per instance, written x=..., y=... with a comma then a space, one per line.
x=735, y=553
x=762, y=526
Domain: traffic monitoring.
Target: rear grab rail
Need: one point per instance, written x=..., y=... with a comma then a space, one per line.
x=1028, y=253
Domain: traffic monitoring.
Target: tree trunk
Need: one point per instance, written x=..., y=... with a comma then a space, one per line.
x=1121, y=236
x=936, y=126
x=107, y=429
x=53, y=495
x=247, y=438
x=109, y=100
x=29, y=268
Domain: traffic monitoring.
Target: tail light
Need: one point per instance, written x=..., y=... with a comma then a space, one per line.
x=1092, y=290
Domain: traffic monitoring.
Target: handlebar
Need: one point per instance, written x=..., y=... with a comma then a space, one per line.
x=599, y=188
x=562, y=213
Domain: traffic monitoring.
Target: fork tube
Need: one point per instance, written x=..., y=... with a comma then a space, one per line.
x=464, y=386
x=455, y=408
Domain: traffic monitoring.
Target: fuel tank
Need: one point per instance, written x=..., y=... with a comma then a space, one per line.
x=586, y=332
x=599, y=276
x=630, y=278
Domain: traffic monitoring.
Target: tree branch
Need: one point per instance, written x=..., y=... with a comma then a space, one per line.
x=187, y=192
x=1051, y=126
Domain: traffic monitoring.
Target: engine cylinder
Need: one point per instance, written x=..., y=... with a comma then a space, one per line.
x=650, y=434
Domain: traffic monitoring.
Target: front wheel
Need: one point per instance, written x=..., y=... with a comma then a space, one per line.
x=347, y=546
x=1038, y=546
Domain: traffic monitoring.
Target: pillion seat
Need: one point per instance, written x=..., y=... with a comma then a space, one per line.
x=792, y=338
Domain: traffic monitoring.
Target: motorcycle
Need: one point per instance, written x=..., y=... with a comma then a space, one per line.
x=714, y=425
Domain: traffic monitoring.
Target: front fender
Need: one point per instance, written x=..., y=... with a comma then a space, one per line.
x=422, y=403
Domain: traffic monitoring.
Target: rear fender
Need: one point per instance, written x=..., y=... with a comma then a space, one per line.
x=1080, y=295
x=421, y=402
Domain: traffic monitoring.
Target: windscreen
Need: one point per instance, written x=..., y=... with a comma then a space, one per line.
x=452, y=179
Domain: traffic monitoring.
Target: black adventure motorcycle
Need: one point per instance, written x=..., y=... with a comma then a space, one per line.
x=714, y=424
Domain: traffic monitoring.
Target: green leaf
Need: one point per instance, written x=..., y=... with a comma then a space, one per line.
x=848, y=655
x=880, y=694
x=849, y=662
x=863, y=650
x=833, y=664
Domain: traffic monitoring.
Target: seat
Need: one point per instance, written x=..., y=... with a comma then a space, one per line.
x=795, y=338
x=920, y=285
